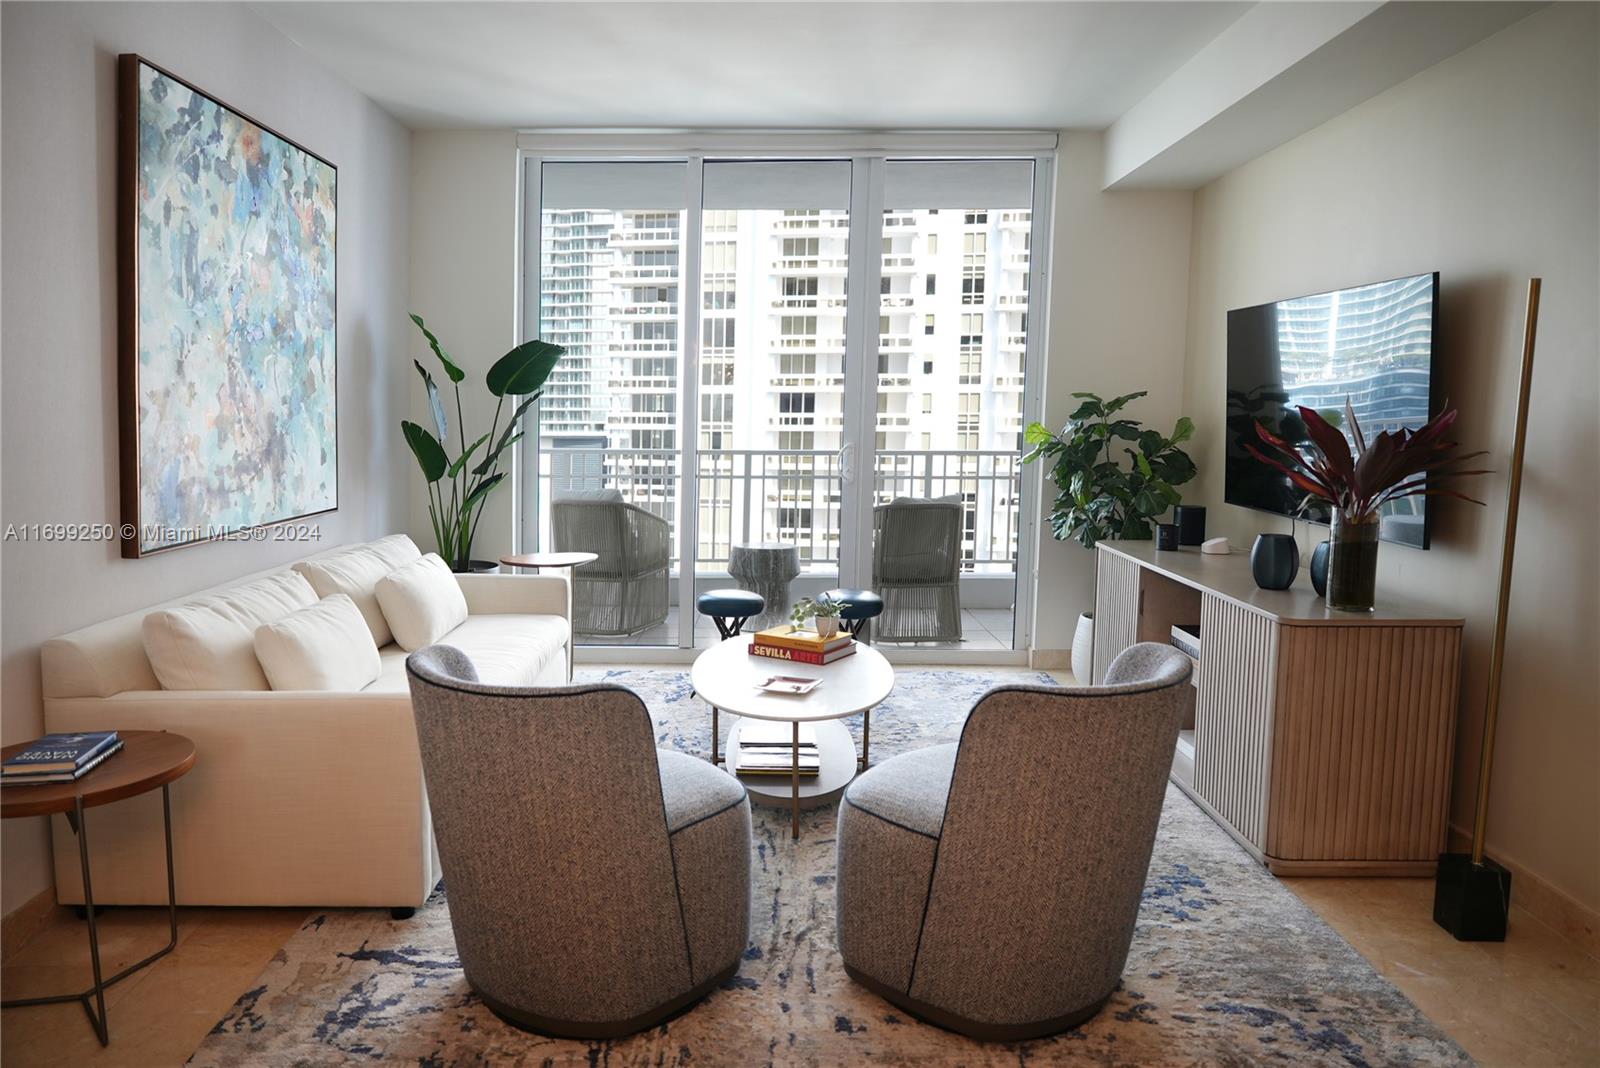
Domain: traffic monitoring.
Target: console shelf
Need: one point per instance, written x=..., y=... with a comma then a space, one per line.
x=1322, y=740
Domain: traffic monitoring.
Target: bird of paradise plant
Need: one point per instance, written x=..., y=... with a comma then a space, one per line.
x=1396, y=464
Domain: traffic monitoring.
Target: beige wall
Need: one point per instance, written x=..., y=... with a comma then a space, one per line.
x=464, y=242
x=1118, y=296
x=59, y=315
x=1485, y=168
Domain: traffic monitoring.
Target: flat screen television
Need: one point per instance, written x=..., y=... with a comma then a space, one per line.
x=1370, y=343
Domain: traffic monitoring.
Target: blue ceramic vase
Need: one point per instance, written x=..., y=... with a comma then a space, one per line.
x=1274, y=561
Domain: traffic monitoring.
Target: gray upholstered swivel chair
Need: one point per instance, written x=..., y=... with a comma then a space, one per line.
x=596, y=884
x=991, y=886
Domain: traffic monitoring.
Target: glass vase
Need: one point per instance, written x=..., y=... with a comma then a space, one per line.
x=1353, y=563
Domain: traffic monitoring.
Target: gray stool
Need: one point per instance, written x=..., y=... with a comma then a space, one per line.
x=767, y=569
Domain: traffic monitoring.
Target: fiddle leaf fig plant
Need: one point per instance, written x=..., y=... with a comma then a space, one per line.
x=1113, y=475
x=457, y=492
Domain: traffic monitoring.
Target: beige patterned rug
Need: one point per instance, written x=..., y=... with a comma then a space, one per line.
x=1227, y=966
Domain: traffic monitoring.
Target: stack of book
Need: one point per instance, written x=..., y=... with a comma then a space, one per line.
x=801, y=646
x=766, y=747
x=59, y=758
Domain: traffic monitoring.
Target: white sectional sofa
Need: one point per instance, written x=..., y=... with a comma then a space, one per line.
x=298, y=797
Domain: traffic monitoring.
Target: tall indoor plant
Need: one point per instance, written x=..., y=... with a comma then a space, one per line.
x=456, y=492
x=1098, y=496
x=1397, y=464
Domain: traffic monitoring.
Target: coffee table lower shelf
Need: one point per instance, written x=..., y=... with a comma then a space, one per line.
x=837, y=753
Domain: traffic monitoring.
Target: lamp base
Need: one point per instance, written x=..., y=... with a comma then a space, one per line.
x=1471, y=901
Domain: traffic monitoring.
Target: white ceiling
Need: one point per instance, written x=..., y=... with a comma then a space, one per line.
x=994, y=64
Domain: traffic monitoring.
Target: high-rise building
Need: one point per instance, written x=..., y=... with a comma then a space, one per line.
x=952, y=322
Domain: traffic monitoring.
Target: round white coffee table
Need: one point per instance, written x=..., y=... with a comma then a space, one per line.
x=725, y=676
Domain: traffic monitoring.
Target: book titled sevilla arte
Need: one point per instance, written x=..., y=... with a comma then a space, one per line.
x=791, y=637
x=801, y=656
x=60, y=757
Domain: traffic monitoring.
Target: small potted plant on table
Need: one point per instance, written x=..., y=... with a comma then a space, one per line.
x=823, y=616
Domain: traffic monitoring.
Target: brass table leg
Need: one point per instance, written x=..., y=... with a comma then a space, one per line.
x=866, y=736
x=714, y=759
x=97, y=1011
x=794, y=779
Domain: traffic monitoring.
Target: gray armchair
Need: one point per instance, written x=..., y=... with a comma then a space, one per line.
x=596, y=884
x=916, y=568
x=991, y=886
x=625, y=591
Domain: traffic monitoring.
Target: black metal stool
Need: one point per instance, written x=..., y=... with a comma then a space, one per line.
x=860, y=608
x=729, y=609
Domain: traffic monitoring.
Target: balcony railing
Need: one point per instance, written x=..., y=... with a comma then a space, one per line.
x=794, y=496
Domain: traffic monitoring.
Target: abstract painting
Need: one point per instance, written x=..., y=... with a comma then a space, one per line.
x=227, y=319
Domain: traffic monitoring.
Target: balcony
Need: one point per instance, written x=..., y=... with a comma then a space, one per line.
x=793, y=496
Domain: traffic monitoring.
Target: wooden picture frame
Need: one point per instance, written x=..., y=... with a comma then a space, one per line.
x=227, y=319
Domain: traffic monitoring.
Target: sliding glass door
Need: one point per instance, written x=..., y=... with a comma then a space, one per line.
x=771, y=365
x=610, y=466
x=952, y=344
x=774, y=301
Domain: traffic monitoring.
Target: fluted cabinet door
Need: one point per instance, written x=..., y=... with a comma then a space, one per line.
x=1116, y=609
x=1364, y=736
x=1233, y=714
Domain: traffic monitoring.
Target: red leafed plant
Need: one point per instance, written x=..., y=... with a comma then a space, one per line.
x=1404, y=463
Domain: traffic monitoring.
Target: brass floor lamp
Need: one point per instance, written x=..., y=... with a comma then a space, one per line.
x=1472, y=894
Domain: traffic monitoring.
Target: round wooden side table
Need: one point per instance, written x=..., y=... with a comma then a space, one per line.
x=148, y=759
x=540, y=561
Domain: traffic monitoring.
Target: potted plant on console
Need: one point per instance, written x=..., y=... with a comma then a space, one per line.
x=1397, y=464
x=1101, y=495
x=456, y=492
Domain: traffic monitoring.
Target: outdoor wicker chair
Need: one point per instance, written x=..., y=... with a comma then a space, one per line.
x=625, y=591
x=916, y=568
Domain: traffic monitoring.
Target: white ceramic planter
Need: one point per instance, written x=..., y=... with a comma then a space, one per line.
x=1083, y=649
x=826, y=627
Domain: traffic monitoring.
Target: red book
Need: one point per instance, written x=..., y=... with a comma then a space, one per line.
x=800, y=656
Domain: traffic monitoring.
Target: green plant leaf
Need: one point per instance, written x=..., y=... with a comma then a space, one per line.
x=1037, y=434
x=461, y=461
x=477, y=495
x=1183, y=430
x=494, y=457
x=523, y=369
x=1116, y=404
x=426, y=448
x=1089, y=409
x=434, y=402
x=455, y=373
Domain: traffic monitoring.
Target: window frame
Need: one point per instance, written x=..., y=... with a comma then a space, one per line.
x=867, y=154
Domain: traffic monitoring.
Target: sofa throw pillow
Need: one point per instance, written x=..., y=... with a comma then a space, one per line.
x=323, y=646
x=422, y=602
x=355, y=572
x=209, y=643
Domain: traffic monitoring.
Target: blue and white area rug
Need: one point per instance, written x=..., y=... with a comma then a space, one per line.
x=1227, y=966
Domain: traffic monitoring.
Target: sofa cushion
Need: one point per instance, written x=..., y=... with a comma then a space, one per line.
x=323, y=646
x=512, y=650
x=209, y=643
x=355, y=572
x=421, y=601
